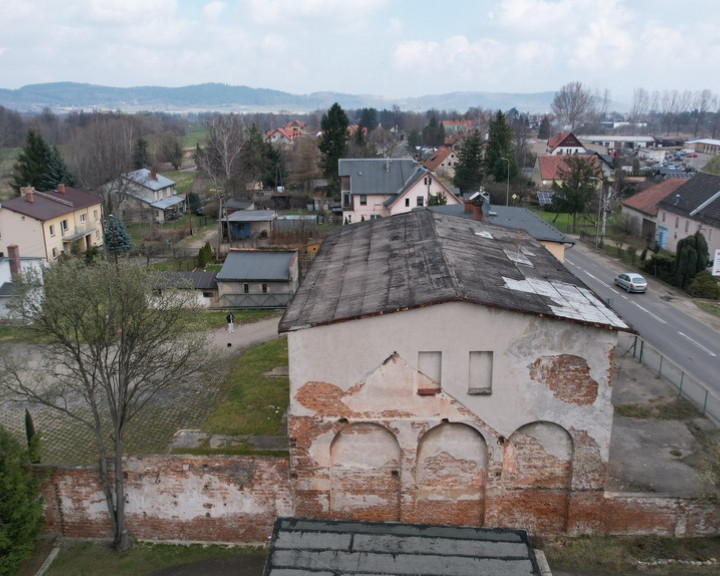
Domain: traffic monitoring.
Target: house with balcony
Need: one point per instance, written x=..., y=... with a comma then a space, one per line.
x=563, y=144
x=146, y=196
x=374, y=188
x=51, y=223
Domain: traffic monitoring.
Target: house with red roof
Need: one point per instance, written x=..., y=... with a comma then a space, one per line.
x=564, y=143
x=442, y=162
x=549, y=169
x=641, y=209
x=282, y=136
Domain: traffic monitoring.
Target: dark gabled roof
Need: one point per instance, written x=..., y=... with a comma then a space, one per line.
x=52, y=203
x=256, y=266
x=384, y=176
x=305, y=547
x=423, y=258
x=698, y=198
x=511, y=217
x=197, y=279
x=647, y=200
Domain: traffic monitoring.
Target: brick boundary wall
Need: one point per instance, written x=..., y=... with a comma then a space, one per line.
x=223, y=499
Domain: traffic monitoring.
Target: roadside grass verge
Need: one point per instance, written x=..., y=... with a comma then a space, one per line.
x=660, y=409
x=85, y=558
x=624, y=555
x=256, y=400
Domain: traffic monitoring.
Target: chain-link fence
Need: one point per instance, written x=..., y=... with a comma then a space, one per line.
x=706, y=400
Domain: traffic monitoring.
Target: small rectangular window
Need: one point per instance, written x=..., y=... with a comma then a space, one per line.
x=677, y=221
x=430, y=365
x=82, y=218
x=363, y=200
x=420, y=200
x=264, y=288
x=687, y=225
x=246, y=288
x=663, y=216
x=407, y=202
x=52, y=230
x=54, y=252
x=64, y=226
x=480, y=373
x=95, y=215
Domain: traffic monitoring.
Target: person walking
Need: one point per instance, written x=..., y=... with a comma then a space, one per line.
x=230, y=320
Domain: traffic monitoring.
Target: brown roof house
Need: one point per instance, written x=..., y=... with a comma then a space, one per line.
x=548, y=169
x=442, y=162
x=641, y=210
x=448, y=371
x=565, y=143
x=47, y=224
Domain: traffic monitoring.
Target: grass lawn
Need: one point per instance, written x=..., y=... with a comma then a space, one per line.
x=563, y=222
x=183, y=180
x=196, y=134
x=85, y=558
x=625, y=555
x=256, y=400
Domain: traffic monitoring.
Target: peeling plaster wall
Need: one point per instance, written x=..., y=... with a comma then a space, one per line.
x=522, y=451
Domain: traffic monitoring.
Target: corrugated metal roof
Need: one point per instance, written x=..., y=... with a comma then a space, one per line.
x=422, y=258
x=301, y=547
x=251, y=216
x=256, y=265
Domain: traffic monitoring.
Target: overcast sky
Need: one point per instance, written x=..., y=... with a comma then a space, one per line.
x=393, y=48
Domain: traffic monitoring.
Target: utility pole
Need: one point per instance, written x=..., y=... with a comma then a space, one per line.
x=507, y=188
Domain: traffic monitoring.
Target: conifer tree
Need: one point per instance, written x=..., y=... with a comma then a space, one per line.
x=334, y=144
x=469, y=167
x=117, y=240
x=40, y=165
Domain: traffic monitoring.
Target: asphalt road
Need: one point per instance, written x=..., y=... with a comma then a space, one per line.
x=662, y=316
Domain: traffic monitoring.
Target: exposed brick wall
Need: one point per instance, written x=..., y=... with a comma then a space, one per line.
x=205, y=499
x=567, y=376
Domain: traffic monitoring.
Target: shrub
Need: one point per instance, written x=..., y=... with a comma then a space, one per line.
x=704, y=285
x=20, y=504
x=662, y=266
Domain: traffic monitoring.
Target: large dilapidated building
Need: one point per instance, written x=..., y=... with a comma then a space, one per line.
x=447, y=371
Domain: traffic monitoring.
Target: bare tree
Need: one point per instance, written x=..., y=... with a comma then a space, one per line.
x=111, y=338
x=221, y=158
x=640, y=106
x=573, y=105
x=702, y=104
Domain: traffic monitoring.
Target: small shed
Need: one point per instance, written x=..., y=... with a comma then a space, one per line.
x=257, y=279
x=243, y=224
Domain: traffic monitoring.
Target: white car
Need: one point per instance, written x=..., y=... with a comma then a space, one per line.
x=631, y=282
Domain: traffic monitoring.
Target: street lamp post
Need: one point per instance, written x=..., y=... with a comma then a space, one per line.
x=602, y=205
x=507, y=189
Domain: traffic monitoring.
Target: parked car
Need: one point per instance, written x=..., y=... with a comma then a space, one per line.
x=631, y=282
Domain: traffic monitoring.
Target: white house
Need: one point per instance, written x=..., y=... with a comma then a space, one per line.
x=379, y=187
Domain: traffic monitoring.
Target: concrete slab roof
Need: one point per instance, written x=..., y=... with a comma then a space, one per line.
x=329, y=547
x=251, y=216
x=424, y=258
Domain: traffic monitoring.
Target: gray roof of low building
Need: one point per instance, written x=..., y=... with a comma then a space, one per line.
x=511, y=217
x=305, y=547
x=238, y=204
x=423, y=258
x=256, y=265
x=251, y=216
x=197, y=279
x=377, y=175
x=166, y=203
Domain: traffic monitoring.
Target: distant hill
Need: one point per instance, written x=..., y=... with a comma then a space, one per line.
x=63, y=97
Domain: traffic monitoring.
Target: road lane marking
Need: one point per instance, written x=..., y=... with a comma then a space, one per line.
x=649, y=313
x=698, y=344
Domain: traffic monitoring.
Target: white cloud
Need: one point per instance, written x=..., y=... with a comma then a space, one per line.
x=126, y=11
x=214, y=10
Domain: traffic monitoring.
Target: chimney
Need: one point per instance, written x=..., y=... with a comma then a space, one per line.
x=468, y=206
x=14, y=254
x=153, y=175
x=28, y=191
x=61, y=188
x=477, y=213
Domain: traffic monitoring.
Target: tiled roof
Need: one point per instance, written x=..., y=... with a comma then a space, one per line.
x=424, y=258
x=52, y=203
x=550, y=166
x=647, y=200
x=437, y=158
x=555, y=141
x=698, y=198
